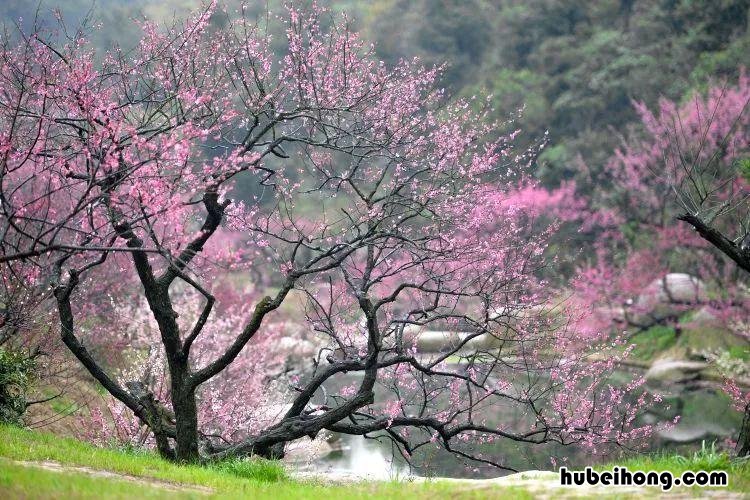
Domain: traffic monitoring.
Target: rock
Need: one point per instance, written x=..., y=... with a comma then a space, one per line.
x=694, y=433
x=431, y=341
x=485, y=341
x=434, y=341
x=333, y=438
x=296, y=350
x=705, y=317
x=650, y=419
x=665, y=297
x=522, y=478
x=305, y=450
x=699, y=340
x=669, y=370
x=677, y=287
x=410, y=333
x=616, y=314
x=504, y=320
x=272, y=412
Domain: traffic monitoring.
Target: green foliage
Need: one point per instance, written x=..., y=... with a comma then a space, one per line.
x=145, y=475
x=24, y=482
x=651, y=342
x=452, y=32
x=686, y=317
x=739, y=352
x=707, y=338
x=515, y=89
x=576, y=66
x=16, y=377
x=743, y=166
x=707, y=458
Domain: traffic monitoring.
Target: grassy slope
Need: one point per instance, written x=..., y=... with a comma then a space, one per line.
x=248, y=479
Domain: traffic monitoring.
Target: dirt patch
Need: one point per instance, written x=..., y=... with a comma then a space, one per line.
x=156, y=483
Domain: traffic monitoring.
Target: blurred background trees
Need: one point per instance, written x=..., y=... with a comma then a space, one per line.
x=575, y=67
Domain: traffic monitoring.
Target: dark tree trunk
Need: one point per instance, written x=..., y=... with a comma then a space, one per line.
x=186, y=417
x=138, y=399
x=743, y=442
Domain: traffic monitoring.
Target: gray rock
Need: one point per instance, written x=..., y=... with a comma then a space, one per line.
x=669, y=370
x=431, y=341
x=296, y=348
x=694, y=433
x=664, y=297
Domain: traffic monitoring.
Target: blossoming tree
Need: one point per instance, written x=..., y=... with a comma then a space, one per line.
x=706, y=144
x=689, y=164
x=387, y=209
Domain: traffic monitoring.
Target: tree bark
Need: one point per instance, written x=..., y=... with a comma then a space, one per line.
x=718, y=240
x=743, y=441
x=186, y=417
x=139, y=403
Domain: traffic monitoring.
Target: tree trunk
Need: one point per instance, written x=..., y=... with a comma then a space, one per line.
x=186, y=419
x=743, y=442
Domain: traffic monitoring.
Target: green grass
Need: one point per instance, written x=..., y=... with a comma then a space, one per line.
x=257, y=469
x=62, y=405
x=660, y=339
x=234, y=479
x=739, y=352
x=18, y=481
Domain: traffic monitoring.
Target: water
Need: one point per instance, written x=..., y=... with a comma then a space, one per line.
x=356, y=457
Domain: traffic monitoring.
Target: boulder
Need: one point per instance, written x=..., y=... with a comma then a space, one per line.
x=431, y=341
x=485, y=341
x=296, y=349
x=666, y=297
x=308, y=450
x=442, y=341
x=683, y=434
x=676, y=287
x=705, y=317
x=671, y=371
x=410, y=333
x=706, y=331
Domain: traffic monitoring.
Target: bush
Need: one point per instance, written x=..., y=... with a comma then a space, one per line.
x=16, y=376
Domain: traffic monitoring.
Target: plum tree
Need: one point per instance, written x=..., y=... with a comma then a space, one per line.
x=364, y=190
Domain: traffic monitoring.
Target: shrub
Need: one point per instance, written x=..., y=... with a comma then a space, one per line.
x=16, y=376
